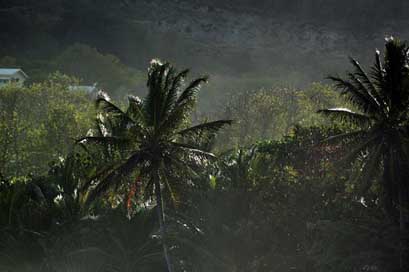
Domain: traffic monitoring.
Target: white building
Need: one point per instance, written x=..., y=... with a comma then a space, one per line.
x=8, y=75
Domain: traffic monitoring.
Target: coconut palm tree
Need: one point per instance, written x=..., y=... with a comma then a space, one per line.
x=381, y=99
x=153, y=137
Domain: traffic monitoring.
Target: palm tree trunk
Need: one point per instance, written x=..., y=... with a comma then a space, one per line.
x=403, y=223
x=161, y=218
x=399, y=176
x=388, y=194
x=395, y=203
x=403, y=213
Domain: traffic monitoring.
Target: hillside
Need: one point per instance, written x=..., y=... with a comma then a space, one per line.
x=271, y=42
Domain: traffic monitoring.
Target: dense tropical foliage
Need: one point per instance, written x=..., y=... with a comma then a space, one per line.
x=153, y=184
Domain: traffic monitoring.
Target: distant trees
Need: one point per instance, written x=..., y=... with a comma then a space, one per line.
x=85, y=63
x=380, y=139
x=39, y=123
x=276, y=111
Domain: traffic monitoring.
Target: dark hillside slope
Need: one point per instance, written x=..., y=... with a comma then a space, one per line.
x=248, y=43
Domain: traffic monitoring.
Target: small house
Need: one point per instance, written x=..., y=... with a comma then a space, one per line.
x=10, y=75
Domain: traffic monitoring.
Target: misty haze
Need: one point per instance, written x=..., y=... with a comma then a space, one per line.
x=204, y=136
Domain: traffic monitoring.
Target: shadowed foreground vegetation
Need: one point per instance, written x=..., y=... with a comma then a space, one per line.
x=153, y=184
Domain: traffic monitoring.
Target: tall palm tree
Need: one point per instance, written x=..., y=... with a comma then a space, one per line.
x=382, y=121
x=153, y=136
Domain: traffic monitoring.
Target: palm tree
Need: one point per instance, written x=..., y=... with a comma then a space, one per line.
x=153, y=137
x=382, y=124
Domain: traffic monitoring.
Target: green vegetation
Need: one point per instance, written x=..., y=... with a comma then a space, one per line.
x=40, y=123
x=154, y=184
x=276, y=110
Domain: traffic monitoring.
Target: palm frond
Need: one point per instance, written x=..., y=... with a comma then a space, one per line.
x=208, y=127
x=372, y=167
x=188, y=96
x=348, y=136
x=346, y=115
x=165, y=76
x=179, y=80
x=396, y=74
x=115, y=119
x=184, y=104
x=102, y=140
x=370, y=86
x=373, y=107
x=156, y=95
x=173, y=91
x=135, y=109
x=115, y=175
x=180, y=165
x=359, y=149
x=168, y=186
x=107, y=106
x=378, y=75
x=193, y=150
x=356, y=96
x=174, y=120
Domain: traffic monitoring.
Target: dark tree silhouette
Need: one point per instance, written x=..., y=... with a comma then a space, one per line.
x=153, y=136
x=382, y=120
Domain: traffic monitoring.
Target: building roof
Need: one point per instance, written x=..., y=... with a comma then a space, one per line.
x=11, y=71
